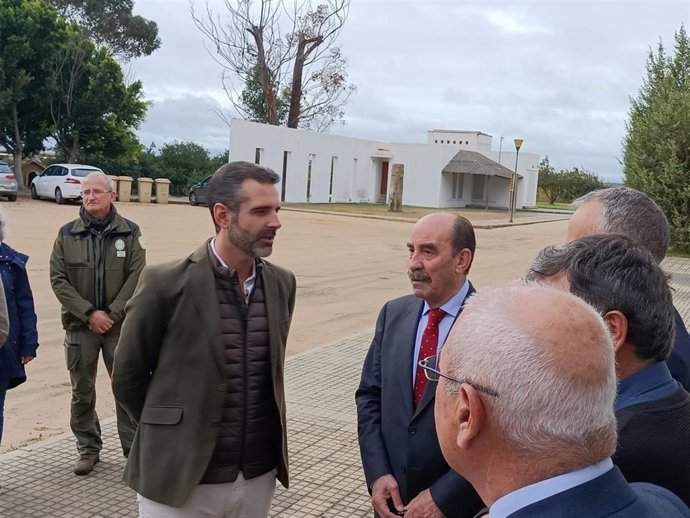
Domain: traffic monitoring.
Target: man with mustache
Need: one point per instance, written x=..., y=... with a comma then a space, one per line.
x=404, y=468
x=199, y=365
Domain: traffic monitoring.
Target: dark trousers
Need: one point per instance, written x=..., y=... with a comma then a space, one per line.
x=82, y=348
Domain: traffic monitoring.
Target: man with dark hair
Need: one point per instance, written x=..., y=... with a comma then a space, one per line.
x=199, y=365
x=628, y=288
x=94, y=268
x=626, y=211
x=404, y=469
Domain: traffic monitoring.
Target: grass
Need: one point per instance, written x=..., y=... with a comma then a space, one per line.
x=546, y=205
x=408, y=212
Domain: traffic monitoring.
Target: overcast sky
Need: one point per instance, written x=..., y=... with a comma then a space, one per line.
x=557, y=73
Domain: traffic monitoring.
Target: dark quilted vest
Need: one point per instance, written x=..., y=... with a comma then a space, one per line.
x=249, y=435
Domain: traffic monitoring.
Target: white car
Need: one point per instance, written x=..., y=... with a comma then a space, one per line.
x=61, y=182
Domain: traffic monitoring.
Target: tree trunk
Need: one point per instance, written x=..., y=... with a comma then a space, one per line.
x=296, y=90
x=73, y=152
x=17, y=151
x=297, y=73
x=264, y=77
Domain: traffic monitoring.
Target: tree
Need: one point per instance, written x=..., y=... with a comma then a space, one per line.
x=550, y=182
x=219, y=159
x=111, y=23
x=565, y=185
x=254, y=103
x=31, y=35
x=302, y=64
x=92, y=109
x=656, y=148
x=184, y=164
x=579, y=182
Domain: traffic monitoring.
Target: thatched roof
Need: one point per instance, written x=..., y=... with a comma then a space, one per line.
x=471, y=162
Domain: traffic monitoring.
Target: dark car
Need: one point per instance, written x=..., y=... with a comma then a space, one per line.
x=198, y=193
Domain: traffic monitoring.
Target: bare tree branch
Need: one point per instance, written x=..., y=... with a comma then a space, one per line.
x=285, y=49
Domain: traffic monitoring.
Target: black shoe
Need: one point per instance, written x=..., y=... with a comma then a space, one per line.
x=85, y=463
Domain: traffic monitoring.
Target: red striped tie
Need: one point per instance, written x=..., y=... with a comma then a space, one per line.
x=427, y=348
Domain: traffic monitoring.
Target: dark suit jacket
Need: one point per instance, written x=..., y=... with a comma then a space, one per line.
x=679, y=360
x=394, y=437
x=168, y=372
x=654, y=443
x=608, y=495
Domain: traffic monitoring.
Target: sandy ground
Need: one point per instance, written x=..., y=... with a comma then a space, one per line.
x=346, y=268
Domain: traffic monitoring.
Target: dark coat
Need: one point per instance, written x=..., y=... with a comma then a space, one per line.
x=679, y=360
x=608, y=495
x=22, y=339
x=394, y=437
x=168, y=372
x=654, y=443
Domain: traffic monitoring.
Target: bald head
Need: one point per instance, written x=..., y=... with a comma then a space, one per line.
x=550, y=357
x=458, y=229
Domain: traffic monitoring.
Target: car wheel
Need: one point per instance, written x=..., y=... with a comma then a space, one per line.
x=34, y=194
x=58, y=196
x=192, y=199
x=12, y=197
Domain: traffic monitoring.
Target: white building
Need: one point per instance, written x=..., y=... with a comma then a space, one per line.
x=453, y=169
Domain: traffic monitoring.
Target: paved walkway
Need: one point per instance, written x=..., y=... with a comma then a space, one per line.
x=327, y=480
x=325, y=472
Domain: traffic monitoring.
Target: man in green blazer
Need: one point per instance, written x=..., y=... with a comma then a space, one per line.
x=199, y=365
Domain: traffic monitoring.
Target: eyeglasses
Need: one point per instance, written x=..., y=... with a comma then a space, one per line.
x=428, y=364
x=94, y=192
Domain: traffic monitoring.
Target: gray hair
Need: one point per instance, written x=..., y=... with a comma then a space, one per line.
x=98, y=174
x=612, y=272
x=631, y=213
x=542, y=410
x=225, y=185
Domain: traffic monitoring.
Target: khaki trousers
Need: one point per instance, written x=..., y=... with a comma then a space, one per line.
x=240, y=499
x=82, y=349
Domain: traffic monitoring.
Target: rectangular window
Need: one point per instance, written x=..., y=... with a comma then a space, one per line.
x=334, y=161
x=312, y=158
x=283, y=183
x=478, y=186
x=458, y=180
x=258, y=155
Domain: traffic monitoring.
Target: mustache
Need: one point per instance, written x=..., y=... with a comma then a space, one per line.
x=418, y=275
x=269, y=233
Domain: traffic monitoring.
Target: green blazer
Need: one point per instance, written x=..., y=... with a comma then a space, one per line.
x=168, y=372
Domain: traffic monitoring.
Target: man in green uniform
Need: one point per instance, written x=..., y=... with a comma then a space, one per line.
x=94, y=268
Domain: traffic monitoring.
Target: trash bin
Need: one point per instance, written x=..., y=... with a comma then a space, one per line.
x=124, y=188
x=162, y=190
x=144, y=186
x=115, y=180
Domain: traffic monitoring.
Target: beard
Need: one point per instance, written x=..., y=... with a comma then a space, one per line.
x=250, y=243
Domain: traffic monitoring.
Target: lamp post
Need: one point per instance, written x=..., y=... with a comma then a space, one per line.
x=514, y=180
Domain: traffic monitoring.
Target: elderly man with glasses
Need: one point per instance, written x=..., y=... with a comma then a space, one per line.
x=404, y=469
x=525, y=409
x=94, y=268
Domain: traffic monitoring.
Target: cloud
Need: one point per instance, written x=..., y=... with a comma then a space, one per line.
x=558, y=73
x=187, y=118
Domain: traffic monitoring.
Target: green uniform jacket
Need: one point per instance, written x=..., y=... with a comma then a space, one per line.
x=168, y=372
x=73, y=269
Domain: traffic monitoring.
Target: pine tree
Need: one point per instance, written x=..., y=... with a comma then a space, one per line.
x=656, y=149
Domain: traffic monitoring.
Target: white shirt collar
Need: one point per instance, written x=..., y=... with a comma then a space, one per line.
x=251, y=280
